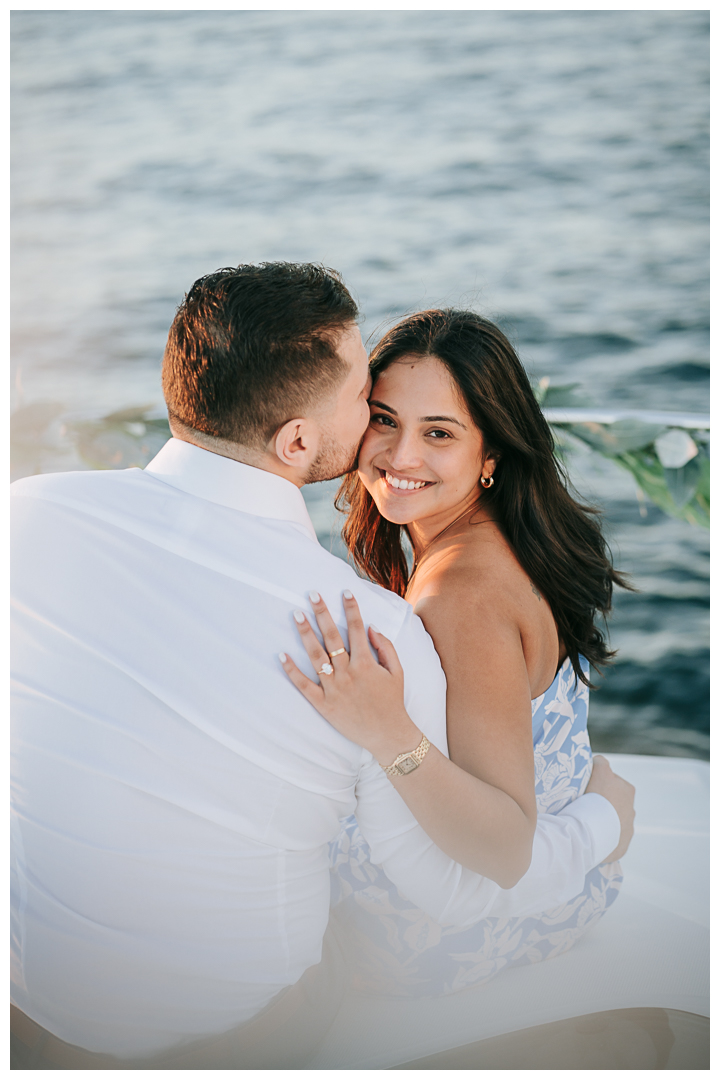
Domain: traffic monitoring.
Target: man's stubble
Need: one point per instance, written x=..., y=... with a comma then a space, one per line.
x=333, y=461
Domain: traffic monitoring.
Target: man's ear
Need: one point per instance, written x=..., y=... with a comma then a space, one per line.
x=296, y=443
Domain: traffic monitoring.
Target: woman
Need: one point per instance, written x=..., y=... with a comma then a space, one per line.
x=509, y=575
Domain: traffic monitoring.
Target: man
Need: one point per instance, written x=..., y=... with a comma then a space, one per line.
x=174, y=794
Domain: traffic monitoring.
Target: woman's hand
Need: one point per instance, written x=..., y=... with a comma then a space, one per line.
x=361, y=697
x=477, y=824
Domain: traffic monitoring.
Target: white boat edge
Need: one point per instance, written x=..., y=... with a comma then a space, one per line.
x=649, y=951
x=688, y=421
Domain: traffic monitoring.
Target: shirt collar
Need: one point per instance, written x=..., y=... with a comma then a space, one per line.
x=230, y=483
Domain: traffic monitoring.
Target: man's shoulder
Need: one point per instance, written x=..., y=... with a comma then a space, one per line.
x=394, y=617
x=56, y=484
x=109, y=494
x=377, y=604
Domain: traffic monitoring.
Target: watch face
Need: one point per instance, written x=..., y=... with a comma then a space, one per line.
x=407, y=765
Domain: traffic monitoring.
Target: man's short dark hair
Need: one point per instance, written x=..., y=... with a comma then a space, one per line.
x=252, y=347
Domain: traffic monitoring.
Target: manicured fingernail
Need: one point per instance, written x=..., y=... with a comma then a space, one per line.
x=315, y=597
x=374, y=627
x=299, y=616
x=282, y=657
x=347, y=594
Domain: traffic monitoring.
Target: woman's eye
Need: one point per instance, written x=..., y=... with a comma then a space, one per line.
x=382, y=420
x=437, y=434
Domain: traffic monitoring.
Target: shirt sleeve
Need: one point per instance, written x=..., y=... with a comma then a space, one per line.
x=567, y=845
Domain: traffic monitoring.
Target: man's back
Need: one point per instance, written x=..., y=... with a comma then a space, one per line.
x=174, y=793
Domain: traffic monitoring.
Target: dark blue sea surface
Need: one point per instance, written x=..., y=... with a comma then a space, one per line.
x=548, y=168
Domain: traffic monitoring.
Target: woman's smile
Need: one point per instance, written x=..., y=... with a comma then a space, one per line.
x=403, y=485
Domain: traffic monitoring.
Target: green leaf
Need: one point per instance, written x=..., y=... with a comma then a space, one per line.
x=617, y=438
x=652, y=479
x=683, y=483
x=564, y=396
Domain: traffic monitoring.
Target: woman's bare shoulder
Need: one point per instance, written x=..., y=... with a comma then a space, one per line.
x=481, y=557
x=479, y=571
x=480, y=577
x=479, y=593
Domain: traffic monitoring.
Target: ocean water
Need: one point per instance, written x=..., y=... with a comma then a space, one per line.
x=548, y=168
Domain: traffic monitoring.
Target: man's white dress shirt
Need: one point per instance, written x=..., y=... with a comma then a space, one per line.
x=173, y=793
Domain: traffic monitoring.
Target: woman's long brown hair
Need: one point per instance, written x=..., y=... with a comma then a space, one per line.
x=557, y=540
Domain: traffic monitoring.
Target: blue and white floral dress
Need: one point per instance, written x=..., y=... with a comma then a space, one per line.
x=397, y=949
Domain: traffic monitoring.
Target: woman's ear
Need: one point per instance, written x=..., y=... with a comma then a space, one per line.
x=490, y=463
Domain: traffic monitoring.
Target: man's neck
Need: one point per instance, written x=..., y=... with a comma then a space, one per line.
x=246, y=455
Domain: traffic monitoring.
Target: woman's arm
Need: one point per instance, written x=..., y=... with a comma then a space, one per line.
x=477, y=634
x=485, y=822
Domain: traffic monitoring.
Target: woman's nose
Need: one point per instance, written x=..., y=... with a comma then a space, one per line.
x=405, y=454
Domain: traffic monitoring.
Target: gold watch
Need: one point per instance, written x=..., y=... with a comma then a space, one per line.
x=407, y=763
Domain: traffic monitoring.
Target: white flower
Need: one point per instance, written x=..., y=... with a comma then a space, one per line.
x=675, y=448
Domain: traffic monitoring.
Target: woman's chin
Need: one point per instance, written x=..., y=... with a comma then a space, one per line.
x=398, y=515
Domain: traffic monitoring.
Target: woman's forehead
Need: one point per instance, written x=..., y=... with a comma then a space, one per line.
x=420, y=376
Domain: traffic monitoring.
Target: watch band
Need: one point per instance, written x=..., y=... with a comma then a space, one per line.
x=407, y=763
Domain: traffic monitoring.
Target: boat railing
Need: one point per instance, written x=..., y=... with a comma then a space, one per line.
x=688, y=421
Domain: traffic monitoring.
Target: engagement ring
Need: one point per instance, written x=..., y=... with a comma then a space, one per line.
x=326, y=669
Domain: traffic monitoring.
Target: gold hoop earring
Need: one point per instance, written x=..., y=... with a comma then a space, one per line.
x=487, y=481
